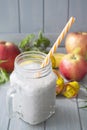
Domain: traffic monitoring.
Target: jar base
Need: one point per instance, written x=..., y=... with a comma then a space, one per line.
x=38, y=122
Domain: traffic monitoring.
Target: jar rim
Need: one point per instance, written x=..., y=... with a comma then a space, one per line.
x=37, y=56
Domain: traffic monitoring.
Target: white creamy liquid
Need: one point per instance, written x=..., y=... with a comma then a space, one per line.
x=35, y=98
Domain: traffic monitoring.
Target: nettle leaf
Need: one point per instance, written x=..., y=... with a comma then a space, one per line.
x=83, y=107
x=26, y=41
x=40, y=43
x=4, y=76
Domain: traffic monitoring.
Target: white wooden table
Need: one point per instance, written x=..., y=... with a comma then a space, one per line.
x=68, y=115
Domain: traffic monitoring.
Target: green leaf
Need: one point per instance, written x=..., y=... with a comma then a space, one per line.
x=83, y=106
x=26, y=42
x=40, y=35
x=42, y=42
x=85, y=101
x=4, y=76
x=32, y=43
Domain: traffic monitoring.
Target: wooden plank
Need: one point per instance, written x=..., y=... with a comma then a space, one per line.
x=9, y=16
x=78, y=8
x=55, y=15
x=13, y=37
x=66, y=116
x=31, y=15
x=81, y=103
x=18, y=124
x=3, y=108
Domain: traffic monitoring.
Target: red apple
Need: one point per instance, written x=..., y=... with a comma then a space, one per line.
x=73, y=67
x=77, y=40
x=8, y=52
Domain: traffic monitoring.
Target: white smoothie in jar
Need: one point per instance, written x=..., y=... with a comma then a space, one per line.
x=34, y=99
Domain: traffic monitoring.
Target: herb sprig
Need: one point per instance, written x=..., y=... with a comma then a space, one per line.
x=30, y=42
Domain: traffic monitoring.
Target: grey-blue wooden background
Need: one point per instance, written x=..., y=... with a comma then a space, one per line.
x=50, y=16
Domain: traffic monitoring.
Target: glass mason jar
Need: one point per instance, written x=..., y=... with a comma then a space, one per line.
x=31, y=95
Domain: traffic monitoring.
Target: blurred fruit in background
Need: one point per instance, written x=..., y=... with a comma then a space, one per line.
x=77, y=40
x=8, y=52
